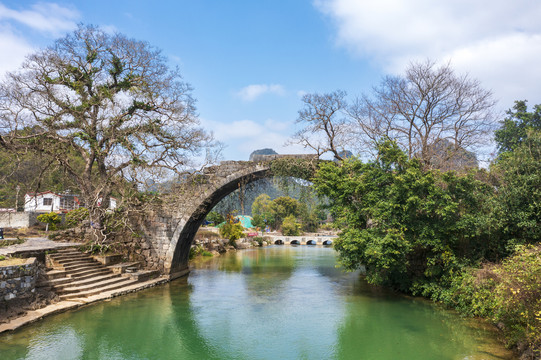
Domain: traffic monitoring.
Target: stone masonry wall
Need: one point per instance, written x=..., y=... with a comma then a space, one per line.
x=158, y=241
x=18, y=280
x=152, y=240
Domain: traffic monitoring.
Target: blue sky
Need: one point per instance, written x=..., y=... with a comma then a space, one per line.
x=250, y=61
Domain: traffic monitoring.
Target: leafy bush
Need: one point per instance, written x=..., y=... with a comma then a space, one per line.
x=51, y=218
x=327, y=227
x=290, y=226
x=509, y=294
x=198, y=251
x=259, y=240
x=215, y=218
x=76, y=217
x=231, y=230
x=259, y=222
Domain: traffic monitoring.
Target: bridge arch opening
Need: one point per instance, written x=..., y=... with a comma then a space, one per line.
x=215, y=184
x=327, y=242
x=295, y=242
x=279, y=242
x=311, y=242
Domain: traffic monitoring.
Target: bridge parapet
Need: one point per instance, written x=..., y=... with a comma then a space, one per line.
x=265, y=158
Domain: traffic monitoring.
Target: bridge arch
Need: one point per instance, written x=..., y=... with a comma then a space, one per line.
x=214, y=184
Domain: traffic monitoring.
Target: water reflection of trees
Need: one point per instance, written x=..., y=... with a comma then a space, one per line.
x=394, y=327
x=267, y=272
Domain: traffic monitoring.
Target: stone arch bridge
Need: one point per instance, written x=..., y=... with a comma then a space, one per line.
x=169, y=231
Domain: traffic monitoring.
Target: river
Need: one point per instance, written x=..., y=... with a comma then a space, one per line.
x=278, y=302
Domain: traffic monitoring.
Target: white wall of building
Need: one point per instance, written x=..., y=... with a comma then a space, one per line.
x=40, y=203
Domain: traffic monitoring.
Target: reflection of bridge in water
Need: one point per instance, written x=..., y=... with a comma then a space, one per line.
x=325, y=240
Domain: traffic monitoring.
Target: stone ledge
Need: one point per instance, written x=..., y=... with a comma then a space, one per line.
x=62, y=306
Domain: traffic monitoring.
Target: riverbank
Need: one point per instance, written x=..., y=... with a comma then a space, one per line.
x=44, y=305
x=63, y=306
x=29, y=309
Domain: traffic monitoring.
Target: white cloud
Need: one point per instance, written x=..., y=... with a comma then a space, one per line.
x=47, y=17
x=252, y=92
x=244, y=136
x=13, y=49
x=496, y=41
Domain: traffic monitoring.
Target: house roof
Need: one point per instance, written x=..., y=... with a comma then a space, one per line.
x=42, y=193
x=55, y=194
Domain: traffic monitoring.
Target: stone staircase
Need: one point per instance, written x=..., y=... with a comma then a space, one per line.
x=76, y=275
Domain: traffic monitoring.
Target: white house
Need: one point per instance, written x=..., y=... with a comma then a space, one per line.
x=49, y=201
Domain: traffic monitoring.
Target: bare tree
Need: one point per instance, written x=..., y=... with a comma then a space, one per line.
x=107, y=100
x=425, y=111
x=326, y=126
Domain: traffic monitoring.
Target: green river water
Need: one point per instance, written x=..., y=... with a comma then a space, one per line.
x=279, y=302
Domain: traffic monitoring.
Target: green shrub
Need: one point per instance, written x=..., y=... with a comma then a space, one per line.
x=259, y=240
x=199, y=251
x=193, y=253
x=76, y=217
x=51, y=218
x=290, y=226
x=215, y=218
x=231, y=231
x=509, y=294
x=328, y=226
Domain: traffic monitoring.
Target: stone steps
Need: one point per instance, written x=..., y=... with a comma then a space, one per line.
x=83, y=282
x=69, y=261
x=91, y=285
x=87, y=273
x=63, y=255
x=82, y=294
x=77, y=276
x=56, y=274
x=79, y=266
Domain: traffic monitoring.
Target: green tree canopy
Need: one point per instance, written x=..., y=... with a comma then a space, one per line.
x=409, y=226
x=215, y=218
x=519, y=191
x=514, y=129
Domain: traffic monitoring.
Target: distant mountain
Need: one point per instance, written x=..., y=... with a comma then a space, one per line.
x=262, y=152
